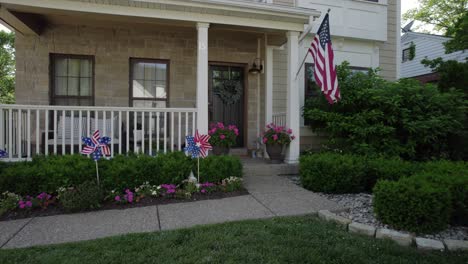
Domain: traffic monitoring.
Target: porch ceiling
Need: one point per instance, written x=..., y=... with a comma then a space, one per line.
x=236, y=14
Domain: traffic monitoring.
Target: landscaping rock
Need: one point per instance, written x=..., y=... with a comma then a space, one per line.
x=329, y=216
x=429, y=244
x=400, y=238
x=454, y=245
x=361, y=229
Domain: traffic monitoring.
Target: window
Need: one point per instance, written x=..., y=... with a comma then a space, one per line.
x=149, y=83
x=72, y=80
x=406, y=54
x=311, y=89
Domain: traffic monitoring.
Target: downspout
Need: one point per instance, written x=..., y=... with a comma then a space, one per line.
x=258, y=94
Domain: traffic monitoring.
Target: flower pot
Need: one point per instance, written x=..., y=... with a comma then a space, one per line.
x=275, y=152
x=220, y=150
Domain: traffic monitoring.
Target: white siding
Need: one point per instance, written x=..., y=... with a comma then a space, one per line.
x=429, y=46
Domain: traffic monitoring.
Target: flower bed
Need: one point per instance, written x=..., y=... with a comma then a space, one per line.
x=88, y=197
x=58, y=184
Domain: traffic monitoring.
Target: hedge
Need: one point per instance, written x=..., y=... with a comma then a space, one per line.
x=346, y=173
x=47, y=174
x=217, y=168
x=412, y=204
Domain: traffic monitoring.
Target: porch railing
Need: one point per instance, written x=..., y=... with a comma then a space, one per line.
x=279, y=119
x=27, y=130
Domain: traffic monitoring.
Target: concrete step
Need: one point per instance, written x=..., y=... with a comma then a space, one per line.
x=240, y=152
x=261, y=167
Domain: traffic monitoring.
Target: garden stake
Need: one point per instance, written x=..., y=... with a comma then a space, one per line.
x=97, y=173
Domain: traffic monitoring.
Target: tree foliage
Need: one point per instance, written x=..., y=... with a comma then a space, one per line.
x=7, y=67
x=443, y=15
x=405, y=118
x=459, y=34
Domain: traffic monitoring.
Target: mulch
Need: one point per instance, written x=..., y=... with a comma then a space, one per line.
x=57, y=209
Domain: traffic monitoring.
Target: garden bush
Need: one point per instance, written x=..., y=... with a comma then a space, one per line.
x=412, y=204
x=346, y=173
x=47, y=174
x=404, y=118
x=216, y=168
x=87, y=195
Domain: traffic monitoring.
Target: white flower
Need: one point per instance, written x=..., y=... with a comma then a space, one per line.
x=154, y=193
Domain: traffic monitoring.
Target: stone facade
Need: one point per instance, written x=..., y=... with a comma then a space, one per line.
x=112, y=47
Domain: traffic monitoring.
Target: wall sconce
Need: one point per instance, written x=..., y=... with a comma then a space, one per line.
x=257, y=66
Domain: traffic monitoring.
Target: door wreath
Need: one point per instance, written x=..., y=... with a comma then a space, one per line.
x=230, y=91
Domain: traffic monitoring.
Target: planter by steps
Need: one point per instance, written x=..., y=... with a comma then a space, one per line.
x=221, y=150
x=275, y=152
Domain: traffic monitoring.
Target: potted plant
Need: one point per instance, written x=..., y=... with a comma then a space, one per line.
x=276, y=138
x=222, y=137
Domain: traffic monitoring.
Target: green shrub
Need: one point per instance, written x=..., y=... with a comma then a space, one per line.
x=333, y=173
x=345, y=173
x=412, y=204
x=47, y=174
x=216, y=168
x=404, y=118
x=87, y=195
x=454, y=177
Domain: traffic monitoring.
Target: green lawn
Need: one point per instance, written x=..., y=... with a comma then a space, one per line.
x=280, y=240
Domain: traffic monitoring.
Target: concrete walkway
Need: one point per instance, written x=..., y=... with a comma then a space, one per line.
x=269, y=196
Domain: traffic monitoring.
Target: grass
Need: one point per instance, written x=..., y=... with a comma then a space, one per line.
x=279, y=240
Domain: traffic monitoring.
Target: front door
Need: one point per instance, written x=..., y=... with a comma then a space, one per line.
x=226, y=96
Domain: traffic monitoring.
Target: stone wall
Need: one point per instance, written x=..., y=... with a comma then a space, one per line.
x=112, y=48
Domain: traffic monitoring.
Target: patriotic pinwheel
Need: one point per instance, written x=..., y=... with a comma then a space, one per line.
x=197, y=147
x=96, y=146
x=191, y=148
x=202, y=143
x=3, y=153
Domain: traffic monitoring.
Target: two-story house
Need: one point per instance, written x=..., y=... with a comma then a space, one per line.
x=149, y=72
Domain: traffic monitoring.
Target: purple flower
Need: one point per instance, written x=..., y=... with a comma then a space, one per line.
x=117, y=198
x=170, y=191
x=203, y=191
x=28, y=204
x=222, y=137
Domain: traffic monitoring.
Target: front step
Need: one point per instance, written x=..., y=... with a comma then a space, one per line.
x=262, y=167
x=240, y=152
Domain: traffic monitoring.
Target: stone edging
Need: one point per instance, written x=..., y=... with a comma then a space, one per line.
x=400, y=238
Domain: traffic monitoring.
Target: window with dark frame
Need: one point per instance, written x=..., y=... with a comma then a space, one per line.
x=72, y=80
x=406, y=54
x=149, y=83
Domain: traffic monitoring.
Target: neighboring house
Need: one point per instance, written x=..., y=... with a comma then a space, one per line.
x=149, y=72
x=418, y=46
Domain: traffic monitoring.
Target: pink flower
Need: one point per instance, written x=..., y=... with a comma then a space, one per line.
x=275, y=137
x=28, y=204
x=232, y=127
x=21, y=204
x=265, y=140
x=170, y=191
x=203, y=191
x=222, y=137
x=117, y=198
x=289, y=131
x=220, y=125
x=212, y=131
x=278, y=129
x=236, y=131
x=293, y=137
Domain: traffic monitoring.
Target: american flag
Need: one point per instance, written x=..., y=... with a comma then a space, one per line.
x=324, y=67
x=96, y=146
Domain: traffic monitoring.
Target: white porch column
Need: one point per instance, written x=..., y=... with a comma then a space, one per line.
x=202, y=78
x=293, y=106
x=269, y=85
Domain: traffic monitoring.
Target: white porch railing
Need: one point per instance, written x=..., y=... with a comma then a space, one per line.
x=26, y=130
x=279, y=119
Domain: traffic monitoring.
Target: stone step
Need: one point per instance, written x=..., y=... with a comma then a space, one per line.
x=240, y=152
x=260, y=167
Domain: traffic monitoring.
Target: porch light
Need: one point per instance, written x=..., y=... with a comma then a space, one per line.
x=257, y=66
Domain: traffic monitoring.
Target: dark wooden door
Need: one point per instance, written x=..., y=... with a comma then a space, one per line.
x=226, y=96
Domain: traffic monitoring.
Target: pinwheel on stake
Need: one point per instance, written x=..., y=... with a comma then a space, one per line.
x=198, y=146
x=97, y=147
x=3, y=153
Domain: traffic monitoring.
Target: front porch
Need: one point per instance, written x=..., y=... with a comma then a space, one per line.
x=150, y=113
